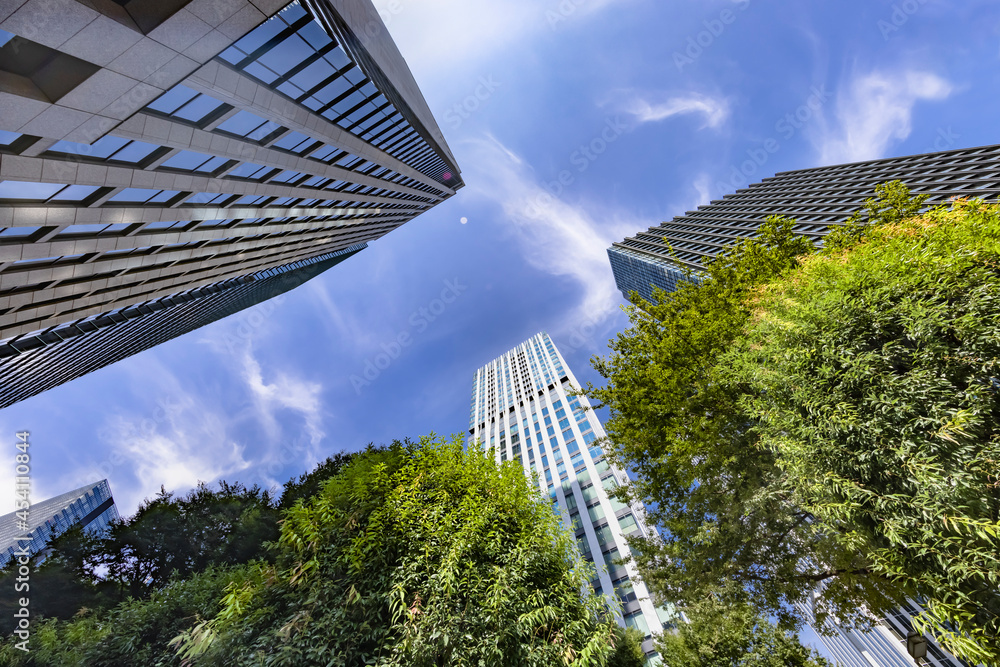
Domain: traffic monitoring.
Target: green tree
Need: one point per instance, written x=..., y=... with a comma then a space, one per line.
x=718, y=635
x=420, y=554
x=168, y=538
x=871, y=373
x=725, y=507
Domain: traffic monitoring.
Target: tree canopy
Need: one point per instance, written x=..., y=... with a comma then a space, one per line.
x=413, y=554
x=719, y=635
x=823, y=423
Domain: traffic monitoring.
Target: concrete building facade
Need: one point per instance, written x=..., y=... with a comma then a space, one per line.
x=154, y=148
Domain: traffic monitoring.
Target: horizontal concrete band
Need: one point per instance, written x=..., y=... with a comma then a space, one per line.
x=182, y=277
x=57, y=247
x=172, y=134
x=235, y=88
x=47, y=170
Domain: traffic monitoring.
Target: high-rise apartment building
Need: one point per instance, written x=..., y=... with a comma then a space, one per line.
x=91, y=506
x=816, y=198
x=521, y=409
x=163, y=161
x=884, y=645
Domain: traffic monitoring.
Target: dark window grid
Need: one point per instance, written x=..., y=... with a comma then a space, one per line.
x=352, y=127
x=185, y=104
x=264, y=48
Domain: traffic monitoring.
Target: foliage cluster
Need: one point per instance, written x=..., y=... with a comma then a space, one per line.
x=824, y=423
x=416, y=554
x=718, y=635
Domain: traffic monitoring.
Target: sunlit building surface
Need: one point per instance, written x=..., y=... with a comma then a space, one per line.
x=521, y=410
x=91, y=506
x=816, y=199
x=884, y=645
x=157, y=154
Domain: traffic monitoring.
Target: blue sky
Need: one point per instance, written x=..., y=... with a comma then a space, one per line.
x=576, y=123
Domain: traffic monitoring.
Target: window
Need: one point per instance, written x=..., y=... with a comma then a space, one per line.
x=113, y=149
x=249, y=125
x=628, y=524
x=192, y=161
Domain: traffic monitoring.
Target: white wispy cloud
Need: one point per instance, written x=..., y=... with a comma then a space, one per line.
x=556, y=237
x=715, y=111
x=283, y=392
x=872, y=111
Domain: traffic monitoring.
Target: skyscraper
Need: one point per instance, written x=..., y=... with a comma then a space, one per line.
x=521, y=409
x=884, y=645
x=816, y=199
x=160, y=159
x=91, y=506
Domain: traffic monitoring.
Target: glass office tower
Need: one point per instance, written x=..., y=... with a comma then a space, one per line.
x=170, y=149
x=816, y=199
x=91, y=506
x=522, y=410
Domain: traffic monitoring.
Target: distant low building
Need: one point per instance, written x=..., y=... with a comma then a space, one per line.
x=91, y=506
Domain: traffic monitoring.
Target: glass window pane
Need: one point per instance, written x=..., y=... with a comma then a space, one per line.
x=101, y=148
x=187, y=160
x=135, y=151
x=28, y=191
x=75, y=193
x=198, y=108
x=173, y=99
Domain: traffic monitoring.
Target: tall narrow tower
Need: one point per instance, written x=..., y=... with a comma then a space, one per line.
x=521, y=409
x=162, y=161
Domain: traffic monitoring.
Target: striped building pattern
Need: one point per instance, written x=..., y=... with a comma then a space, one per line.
x=522, y=411
x=161, y=157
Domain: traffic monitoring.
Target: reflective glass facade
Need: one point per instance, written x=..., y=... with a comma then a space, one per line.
x=223, y=144
x=816, y=199
x=91, y=506
x=884, y=645
x=522, y=411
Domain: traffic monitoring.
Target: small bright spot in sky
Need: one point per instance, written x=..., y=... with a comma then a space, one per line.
x=464, y=220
